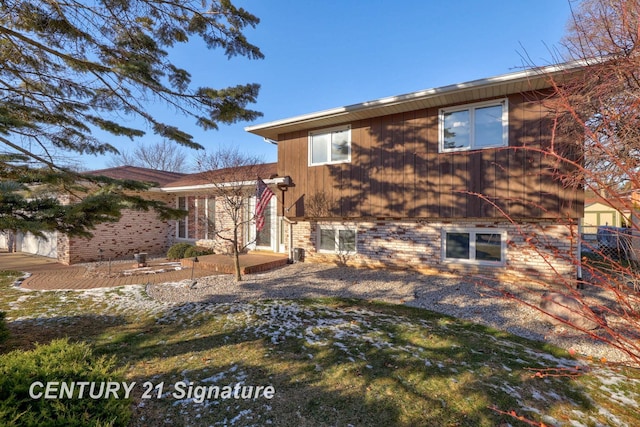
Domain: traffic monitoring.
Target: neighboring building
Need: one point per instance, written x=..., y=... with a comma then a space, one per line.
x=142, y=231
x=599, y=211
x=137, y=231
x=452, y=178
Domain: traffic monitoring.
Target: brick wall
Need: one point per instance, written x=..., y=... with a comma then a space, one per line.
x=137, y=231
x=537, y=250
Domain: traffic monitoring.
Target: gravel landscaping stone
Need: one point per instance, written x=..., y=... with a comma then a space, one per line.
x=468, y=299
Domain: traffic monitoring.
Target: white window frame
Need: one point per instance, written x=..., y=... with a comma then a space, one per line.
x=472, y=245
x=472, y=108
x=324, y=132
x=336, y=232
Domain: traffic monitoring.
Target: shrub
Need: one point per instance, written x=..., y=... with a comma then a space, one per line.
x=196, y=251
x=4, y=332
x=63, y=362
x=177, y=251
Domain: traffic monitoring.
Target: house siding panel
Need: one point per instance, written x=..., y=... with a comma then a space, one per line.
x=397, y=172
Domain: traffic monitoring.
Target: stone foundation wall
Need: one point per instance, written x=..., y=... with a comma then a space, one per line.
x=537, y=250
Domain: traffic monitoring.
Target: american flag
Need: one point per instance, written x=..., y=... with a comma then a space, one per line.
x=263, y=196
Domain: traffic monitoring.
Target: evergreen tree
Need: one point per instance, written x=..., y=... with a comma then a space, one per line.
x=70, y=68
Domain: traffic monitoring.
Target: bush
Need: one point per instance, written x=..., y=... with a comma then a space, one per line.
x=59, y=361
x=196, y=251
x=4, y=331
x=177, y=251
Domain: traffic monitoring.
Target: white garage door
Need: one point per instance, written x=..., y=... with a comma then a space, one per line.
x=31, y=244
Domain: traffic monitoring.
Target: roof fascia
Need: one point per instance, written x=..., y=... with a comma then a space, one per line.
x=211, y=186
x=510, y=78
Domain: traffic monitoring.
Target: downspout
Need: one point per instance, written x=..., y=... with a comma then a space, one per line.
x=579, y=252
x=290, y=224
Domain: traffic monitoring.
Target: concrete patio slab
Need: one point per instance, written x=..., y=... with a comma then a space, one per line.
x=47, y=274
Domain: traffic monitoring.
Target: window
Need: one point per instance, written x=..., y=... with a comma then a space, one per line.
x=182, y=223
x=479, y=246
x=263, y=237
x=475, y=126
x=336, y=240
x=330, y=146
x=211, y=218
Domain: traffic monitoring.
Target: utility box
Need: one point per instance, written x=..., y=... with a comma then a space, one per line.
x=298, y=255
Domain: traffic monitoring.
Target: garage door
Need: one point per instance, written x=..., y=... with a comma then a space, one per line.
x=44, y=246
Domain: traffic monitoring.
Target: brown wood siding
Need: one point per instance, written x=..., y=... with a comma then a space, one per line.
x=396, y=171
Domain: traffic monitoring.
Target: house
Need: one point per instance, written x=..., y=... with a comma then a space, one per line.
x=136, y=231
x=142, y=231
x=455, y=178
x=458, y=178
x=209, y=221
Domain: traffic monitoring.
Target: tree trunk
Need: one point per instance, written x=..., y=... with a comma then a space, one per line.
x=236, y=255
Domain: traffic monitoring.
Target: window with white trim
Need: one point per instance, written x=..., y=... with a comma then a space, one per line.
x=474, y=126
x=211, y=218
x=333, y=239
x=476, y=246
x=182, y=223
x=329, y=146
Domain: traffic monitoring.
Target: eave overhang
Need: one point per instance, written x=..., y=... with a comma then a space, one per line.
x=199, y=188
x=492, y=87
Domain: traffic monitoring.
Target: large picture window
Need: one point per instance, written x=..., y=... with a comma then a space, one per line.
x=336, y=240
x=481, y=246
x=474, y=126
x=330, y=146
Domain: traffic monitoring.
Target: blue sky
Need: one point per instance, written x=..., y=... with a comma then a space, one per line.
x=331, y=53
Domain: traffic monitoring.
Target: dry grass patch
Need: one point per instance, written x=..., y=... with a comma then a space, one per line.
x=330, y=362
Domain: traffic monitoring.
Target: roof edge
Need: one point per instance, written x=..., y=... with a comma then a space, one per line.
x=528, y=74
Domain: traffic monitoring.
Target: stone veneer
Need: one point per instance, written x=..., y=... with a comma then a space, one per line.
x=537, y=250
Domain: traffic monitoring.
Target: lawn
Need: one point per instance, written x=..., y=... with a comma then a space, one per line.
x=328, y=362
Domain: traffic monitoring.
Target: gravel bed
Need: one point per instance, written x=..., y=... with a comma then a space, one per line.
x=461, y=298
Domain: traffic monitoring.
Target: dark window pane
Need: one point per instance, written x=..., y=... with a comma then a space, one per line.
x=263, y=237
x=211, y=219
x=327, y=240
x=182, y=224
x=457, y=245
x=488, y=247
x=347, y=240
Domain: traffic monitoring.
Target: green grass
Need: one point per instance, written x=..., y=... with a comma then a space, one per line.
x=330, y=361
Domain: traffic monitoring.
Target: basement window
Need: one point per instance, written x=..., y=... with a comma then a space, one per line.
x=474, y=246
x=336, y=240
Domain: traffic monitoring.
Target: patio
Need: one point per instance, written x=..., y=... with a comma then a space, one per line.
x=47, y=274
